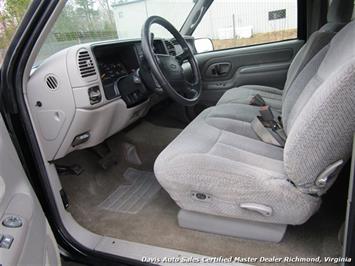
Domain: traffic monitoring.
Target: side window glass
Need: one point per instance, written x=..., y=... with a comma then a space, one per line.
x=239, y=23
x=11, y=14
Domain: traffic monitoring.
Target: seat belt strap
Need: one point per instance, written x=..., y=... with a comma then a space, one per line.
x=281, y=133
x=267, y=135
x=257, y=100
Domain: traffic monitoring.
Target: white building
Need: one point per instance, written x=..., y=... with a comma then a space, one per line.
x=130, y=15
x=225, y=19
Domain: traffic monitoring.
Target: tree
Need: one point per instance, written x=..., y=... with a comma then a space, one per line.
x=107, y=8
x=85, y=9
x=67, y=21
x=10, y=17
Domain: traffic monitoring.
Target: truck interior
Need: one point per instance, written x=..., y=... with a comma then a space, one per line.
x=153, y=147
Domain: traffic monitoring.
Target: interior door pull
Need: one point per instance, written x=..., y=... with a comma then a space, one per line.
x=219, y=69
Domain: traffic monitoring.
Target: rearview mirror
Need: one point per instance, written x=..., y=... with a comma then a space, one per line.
x=203, y=45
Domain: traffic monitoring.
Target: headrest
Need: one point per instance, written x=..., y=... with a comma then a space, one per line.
x=341, y=51
x=340, y=11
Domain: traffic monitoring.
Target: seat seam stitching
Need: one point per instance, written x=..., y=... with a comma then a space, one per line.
x=215, y=143
x=236, y=148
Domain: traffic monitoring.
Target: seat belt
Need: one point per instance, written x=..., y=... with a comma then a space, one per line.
x=257, y=100
x=267, y=135
x=267, y=129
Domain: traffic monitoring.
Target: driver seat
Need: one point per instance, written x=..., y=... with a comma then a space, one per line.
x=237, y=184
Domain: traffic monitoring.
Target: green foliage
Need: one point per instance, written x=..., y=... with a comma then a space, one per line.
x=80, y=21
x=10, y=17
x=85, y=18
x=78, y=18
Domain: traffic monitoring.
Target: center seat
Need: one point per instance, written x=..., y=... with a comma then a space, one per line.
x=237, y=118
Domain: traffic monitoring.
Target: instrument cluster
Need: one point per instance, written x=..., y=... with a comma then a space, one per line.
x=112, y=71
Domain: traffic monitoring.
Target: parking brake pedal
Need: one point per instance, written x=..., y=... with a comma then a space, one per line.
x=131, y=153
x=74, y=169
x=107, y=158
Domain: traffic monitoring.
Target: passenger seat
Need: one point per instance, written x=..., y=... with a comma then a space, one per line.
x=240, y=185
x=339, y=14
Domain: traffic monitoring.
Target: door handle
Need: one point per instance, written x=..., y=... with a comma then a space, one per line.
x=219, y=69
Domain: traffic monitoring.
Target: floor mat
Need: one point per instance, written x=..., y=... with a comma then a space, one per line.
x=130, y=198
x=156, y=224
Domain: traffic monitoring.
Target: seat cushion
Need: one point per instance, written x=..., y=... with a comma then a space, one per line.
x=231, y=169
x=244, y=95
x=234, y=118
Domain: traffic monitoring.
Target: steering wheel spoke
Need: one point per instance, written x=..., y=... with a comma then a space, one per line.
x=168, y=69
x=183, y=56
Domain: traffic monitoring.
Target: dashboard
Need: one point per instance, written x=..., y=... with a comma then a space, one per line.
x=84, y=94
x=118, y=63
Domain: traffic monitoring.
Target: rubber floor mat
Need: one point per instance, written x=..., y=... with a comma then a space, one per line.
x=140, y=189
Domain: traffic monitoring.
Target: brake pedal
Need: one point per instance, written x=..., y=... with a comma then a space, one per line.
x=107, y=158
x=108, y=161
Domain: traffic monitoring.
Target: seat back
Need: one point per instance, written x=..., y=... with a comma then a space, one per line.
x=320, y=122
x=339, y=14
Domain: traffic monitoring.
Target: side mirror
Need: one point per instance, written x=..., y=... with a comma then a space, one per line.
x=203, y=45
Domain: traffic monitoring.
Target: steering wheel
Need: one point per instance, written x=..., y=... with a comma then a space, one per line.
x=167, y=69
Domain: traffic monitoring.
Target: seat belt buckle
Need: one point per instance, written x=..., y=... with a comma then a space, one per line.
x=257, y=100
x=267, y=135
x=266, y=113
x=267, y=117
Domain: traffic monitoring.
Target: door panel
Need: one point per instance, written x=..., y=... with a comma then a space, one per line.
x=32, y=239
x=265, y=64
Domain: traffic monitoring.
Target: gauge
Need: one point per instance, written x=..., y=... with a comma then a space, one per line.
x=112, y=71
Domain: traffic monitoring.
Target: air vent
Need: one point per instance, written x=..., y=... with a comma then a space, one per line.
x=52, y=82
x=171, y=48
x=86, y=65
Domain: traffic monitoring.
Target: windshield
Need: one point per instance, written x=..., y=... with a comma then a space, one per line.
x=83, y=21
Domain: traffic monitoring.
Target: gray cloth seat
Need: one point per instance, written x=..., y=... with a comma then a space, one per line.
x=220, y=157
x=244, y=94
x=339, y=14
x=231, y=169
x=241, y=115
